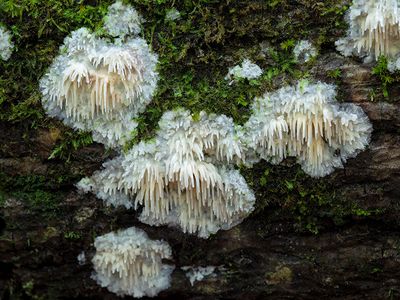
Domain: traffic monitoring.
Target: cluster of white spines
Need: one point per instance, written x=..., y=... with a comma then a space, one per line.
x=247, y=70
x=374, y=29
x=305, y=121
x=98, y=85
x=122, y=20
x=183, y=177
x=6, y=45
x=127, y=262
x=304, y=51
x=198, y=273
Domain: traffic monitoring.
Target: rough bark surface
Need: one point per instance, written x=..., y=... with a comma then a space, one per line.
x=271, y=255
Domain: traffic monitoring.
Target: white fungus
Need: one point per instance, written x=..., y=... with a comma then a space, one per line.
x=184, y=177
x=6, y=45
x=304, y=51
x=306, y=122
x=198, y=273
x=100, y=86
x=122, y=20
x=374, y=30
x=247, y=70
x=127, y=262
x=81, y=258
x=172, y=14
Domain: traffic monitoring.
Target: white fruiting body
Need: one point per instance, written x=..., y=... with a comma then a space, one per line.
x=304, y=51
x=6, y=45
x=127, y=262
x=183, y=177
x=122, y=20
x=306, y=122
x=374, y=30
x=198, y=273
x=101, y=86
x=247, y=70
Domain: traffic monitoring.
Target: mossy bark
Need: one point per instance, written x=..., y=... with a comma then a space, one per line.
x=336, y=237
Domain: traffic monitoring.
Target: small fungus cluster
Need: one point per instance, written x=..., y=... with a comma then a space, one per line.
x=99, y=85
x=6, y=45
x=306, y=122
x=127, y=262
x=374, y=30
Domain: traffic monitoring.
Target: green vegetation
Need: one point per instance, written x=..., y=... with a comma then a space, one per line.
x=310, y=204
x=386, y=78
x=36, y=192
x=72, y=235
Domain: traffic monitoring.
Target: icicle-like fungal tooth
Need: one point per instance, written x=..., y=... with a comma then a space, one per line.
x=316, y=127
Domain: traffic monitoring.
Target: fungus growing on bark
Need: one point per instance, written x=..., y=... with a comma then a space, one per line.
x=182, y=178
x=305, y=121
x=101, y=86
x=127, y=262
x=304, y=51
x=374, y=30
x=122, y=20
x=6, y=45
x=247, y=70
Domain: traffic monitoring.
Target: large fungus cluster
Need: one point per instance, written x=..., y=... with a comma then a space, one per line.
x=183, y=177
x=127, y=262
x=186, y=177
x=99, y=85
x=306, y=122
x=374, y=30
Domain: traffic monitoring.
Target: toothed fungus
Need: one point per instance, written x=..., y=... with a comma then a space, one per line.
x=374, y=30
x=247, y=70
x=182, y=178
x=305, y=121
x=122, y=20
x=101, y=86
x=6, y=45
x=127, y=262
x=304, y=51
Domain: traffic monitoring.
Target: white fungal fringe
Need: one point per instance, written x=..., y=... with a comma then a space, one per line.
x=6, y=45
x=306, y=122
x=374, y=30
x=127, y=262
x=183, y=177
x=100, y=86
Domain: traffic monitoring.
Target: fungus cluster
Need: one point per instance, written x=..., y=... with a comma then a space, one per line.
x=374, y=30
x=127, y=262
x=306, y=122
x=6, y=45
x=247, y=70
x=99, y=85
x=184, y=177
x=304, y=51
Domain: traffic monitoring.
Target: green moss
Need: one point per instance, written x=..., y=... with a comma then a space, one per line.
x=72, y=235
x=38, y=193
x=312, y=205
x=70, y=141
x=387, y=79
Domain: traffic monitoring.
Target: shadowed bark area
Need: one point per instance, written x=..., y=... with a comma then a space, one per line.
x=337, y=237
